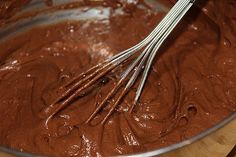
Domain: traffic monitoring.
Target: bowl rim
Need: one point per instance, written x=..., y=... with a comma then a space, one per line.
x=155, y=152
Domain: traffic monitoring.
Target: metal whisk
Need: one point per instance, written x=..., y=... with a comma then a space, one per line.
x=142, y=63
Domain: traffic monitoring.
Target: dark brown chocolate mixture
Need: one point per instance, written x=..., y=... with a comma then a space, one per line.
x=192, y=84
x=9, y=7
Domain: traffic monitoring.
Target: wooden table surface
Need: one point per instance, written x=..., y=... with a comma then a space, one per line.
x=217, y=144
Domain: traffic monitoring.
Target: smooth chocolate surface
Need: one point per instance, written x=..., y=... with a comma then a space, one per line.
x=191, y=86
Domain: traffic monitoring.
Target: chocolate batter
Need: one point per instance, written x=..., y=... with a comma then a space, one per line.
x=191, y=87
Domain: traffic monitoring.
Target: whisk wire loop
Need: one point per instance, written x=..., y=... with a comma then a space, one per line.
x=143, y=63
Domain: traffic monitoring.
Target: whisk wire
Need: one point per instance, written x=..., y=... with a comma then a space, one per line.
x=157, y=29
x=155, y=50
x=142, y=63
x=150, y=49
